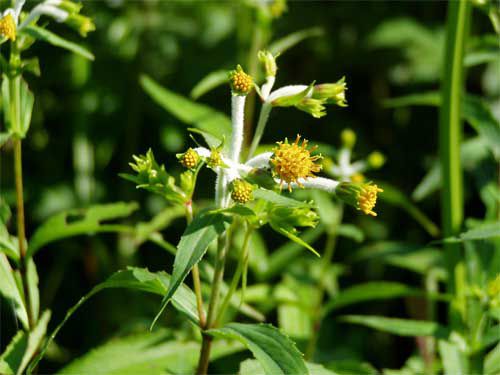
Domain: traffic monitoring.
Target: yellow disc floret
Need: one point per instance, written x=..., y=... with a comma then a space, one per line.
x=190, y=158
x=242, y=191
x=8, y=27
x=368, y=198
x=215, y=159
x=291, y=162
x=241, y=83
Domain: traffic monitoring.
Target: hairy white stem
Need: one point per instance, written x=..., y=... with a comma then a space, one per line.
x=260, y=161
x=237, y=118
x=319, y=183
x=267, y=87
x=45, y=9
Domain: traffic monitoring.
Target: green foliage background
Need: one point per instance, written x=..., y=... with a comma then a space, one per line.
x=90, y=117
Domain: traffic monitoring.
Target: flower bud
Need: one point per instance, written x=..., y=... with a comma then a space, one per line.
x=215, y=159
x=332, y=93
x=362, y=196
x=241, y=191
x=82, y=24
x=240, y=82
x=277, y=8
x=348, y=138
x=291, y=217
x=8, y=27
x=312, y=106
x=269, y=62
x=189, y=159
x=70, y=6
x=376, y=160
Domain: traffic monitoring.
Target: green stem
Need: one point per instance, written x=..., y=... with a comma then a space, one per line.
x=326, y=260
x=195, y=272
x=21, y=231
x=236, y=277
x=222, y=248
x=261, y=126
x=450, y=135
x=431, y=288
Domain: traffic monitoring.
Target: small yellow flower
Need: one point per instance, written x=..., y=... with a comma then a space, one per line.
x=368, y=198
x=241, y=83
x=242, y=191
x=348, y=138
x=293, y=161
x=190, y=159
x=376, y=159
x=362, y=196
x=8, y=27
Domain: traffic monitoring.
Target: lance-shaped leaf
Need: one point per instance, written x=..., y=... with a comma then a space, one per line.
x=400, y=327
x=202, y=231
x=137, y=279
x=276, y=353
x=54, y=39
x=10, y=291
x=77, y=222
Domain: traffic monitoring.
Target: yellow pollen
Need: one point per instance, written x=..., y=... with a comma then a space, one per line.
x=242, y=191
x=8, y=27
x=241, y=83
x=190, y=159
x=293, y=161
x=368, y=198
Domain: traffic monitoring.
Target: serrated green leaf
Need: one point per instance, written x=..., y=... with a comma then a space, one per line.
x=10, y=291
x=275, y=352
x=400, y=327
x=291, y=40
x=202, y=231
x=54, y=39
x=154, y=353
x=77, y=222
x=136, y=279
x=370, y=291
x=199, y=115
x=209, y=82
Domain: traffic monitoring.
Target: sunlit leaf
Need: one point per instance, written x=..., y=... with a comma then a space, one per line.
x=275, y=352
x=152, y=353
x=136, y=279
x=77, y=222
x=454, y=360
x=10, y=291
x=291, y=40
x=253, y=367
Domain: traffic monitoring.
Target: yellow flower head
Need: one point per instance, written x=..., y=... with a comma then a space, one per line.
x=357, y=177
x=241, y=83
x=189, y=159
x=242, y=191
x=8, y=27
x=368, y=198
x=294, y=161
x=363, y=196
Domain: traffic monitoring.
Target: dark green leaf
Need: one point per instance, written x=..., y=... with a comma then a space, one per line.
x=203, y=230
x=276, y=353
x=77, y=222
x=253, y=367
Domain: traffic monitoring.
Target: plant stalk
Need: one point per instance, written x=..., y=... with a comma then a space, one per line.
x=331, y=242
x=21, y=230
x=450, y=135
x=261, y=126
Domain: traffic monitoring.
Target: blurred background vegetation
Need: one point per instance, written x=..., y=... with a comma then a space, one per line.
x=90, y=117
